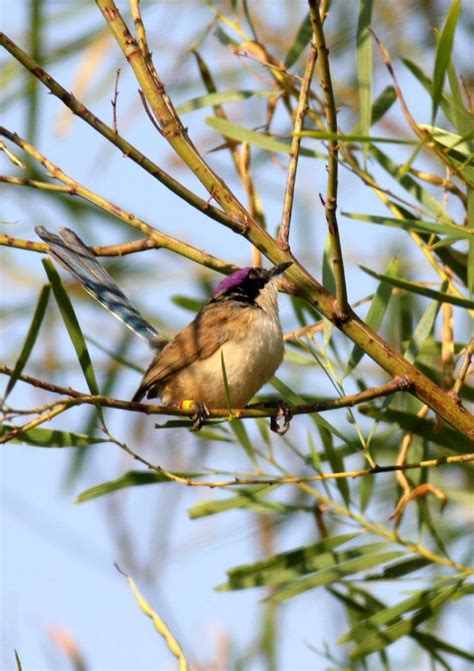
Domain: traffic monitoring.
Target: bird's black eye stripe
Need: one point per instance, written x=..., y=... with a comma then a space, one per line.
x=245, y=292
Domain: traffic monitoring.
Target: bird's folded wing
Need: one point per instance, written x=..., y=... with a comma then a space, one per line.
x=214, y=325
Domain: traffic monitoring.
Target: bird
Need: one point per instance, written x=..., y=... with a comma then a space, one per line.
x=221, y=359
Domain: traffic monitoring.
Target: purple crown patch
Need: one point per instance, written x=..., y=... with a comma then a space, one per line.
x=231, y=281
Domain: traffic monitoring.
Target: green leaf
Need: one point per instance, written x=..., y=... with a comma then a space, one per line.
x=380, y=640
x=73, y=329
x=443, y=54
x=391, y=614
x=401, y=568
x=52, y=438
x=376, y=312
x=219, y=98
x=334, y=574
x=365, y=67
x=352, y=138
x=238, y=428
x=421, y=290
x=454, y=231
x=247, y=499
x=130, y=479
x=452, y=111
x=303, y=38
x=31, y=336
x=288, y=565
x=430, y=642
x=423, y=328
x=191, y=304
x=470, y=262
x=240, y=134
x=381, y=105
x=428, y=429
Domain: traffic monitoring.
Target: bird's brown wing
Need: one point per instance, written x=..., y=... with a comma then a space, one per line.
x=199, y=340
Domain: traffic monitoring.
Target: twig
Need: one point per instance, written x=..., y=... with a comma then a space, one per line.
x=114, y=102
x=78, y=398
x=284, y=233
x=424, y=135
x=464, y=370
x=171, y=127
x=75, y=188
x=330, y=202
x=343, y=475
x=77, y=107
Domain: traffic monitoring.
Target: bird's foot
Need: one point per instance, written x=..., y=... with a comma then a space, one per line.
x=200, y=415
x=284, y=412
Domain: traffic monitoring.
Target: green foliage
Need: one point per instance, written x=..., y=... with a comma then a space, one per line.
x=414, y=183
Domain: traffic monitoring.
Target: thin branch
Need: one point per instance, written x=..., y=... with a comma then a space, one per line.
x=424, y=135
x=284, y=233
x=171, y=126
x=161, y=240
x=343, y=475
x=78, y=108
x=330, y=202
x=114, y=102
x=255, y=411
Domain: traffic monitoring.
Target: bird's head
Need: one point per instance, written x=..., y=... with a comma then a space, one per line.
x=253, y=286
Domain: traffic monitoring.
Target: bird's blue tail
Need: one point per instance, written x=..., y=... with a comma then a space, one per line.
x=77, y=258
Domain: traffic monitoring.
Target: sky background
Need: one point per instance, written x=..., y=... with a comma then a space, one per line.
x=57, y=558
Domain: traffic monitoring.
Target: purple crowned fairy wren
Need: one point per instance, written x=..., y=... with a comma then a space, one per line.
x=238, y=329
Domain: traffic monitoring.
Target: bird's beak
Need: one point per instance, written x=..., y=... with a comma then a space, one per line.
x=279, y=269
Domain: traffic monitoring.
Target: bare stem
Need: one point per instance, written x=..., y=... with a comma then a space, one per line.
x=160, y=240
x=300, y=113
x=79, y=398
x=330, y=202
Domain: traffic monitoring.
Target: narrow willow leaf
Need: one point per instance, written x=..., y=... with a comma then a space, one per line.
x=456, y=232
x=335, y=574
x=459, y=143
x=389, y=615
x=52, y=438
x=376, y=312
x=353, y=138
x=130, y=479
x=190, y=304
x=31, y=336
x=364, y=67
x=219, y=98
x=381, y=105
x=303, y=37
x=380, y=640
x=470, y=262
x=421, y=290
x=240, y=432
x=444, y=436
x=401, y=568
x=431, y=642
x=289, y=565
x=461, y=124
x=336, y=462
x=423, y=328
x=73, y=328
x=410, y=185
x=240, y=134
x=248, y=499
x=443, y=55
x=447, y=103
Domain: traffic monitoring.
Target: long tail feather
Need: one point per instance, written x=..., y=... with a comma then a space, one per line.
x=76, y=257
